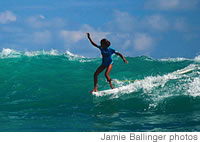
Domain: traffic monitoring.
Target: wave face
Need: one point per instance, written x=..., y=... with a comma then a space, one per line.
x=48, y=91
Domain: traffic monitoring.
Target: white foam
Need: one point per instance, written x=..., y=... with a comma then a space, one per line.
x=9, y=53
x=74, y=57
x=52, y=52
x=194, y=87
x=149, y=85
x=197, y=58
x=174, y=59
x=179, y=59
x=189, y=68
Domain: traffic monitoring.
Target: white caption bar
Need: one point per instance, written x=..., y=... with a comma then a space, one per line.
x=101, y=137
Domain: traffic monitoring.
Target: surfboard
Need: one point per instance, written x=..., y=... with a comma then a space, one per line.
x=106, y=92
x=127, y=80
x=113, y=91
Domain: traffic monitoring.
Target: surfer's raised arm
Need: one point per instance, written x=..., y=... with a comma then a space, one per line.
x=92, y=42
x=107, y=61
x=122, y=57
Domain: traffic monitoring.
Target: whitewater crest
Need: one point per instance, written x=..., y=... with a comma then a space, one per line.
x=197, y=58
x=156, y=88
x=11, y=53
x=74, y=57
x=175, y=59
x=52, y=52
x=194, y=87
x=180, y=59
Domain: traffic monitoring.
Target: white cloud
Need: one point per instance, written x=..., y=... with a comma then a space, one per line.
x=123, y=21
x=76, y=36
x=126, y=23
x=10, y=29
x=96, y=34
x=171, y=4
x=72, y=36
x=37, y=21
x=42, y=37
x=142, y=42
x=180, y=25
x=192, y=36
x=6, y=17
x=126, y=44
x=157, y=22
x=58, y=22
x=41, y=17
x=160, y=23
x=40, y=21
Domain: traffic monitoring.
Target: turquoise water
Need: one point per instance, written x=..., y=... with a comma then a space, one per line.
x=47, y=91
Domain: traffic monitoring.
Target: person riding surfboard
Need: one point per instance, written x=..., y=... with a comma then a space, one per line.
x=107, y=61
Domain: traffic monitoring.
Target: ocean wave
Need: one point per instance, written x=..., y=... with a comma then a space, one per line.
x=197, y=58
x=194, y=87
x=150, y=82
x=74, y=57
x=47, y=85
x=180, y=59
x=156, y=89
x=175, y=59
x=11, y=53
x=52, y=52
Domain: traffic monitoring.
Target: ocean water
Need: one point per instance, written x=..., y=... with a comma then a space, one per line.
x=47, y=91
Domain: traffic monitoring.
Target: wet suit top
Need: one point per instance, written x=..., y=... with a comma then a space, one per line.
x=107, y=55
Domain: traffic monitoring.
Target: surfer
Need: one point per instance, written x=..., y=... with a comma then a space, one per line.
x=107, y=61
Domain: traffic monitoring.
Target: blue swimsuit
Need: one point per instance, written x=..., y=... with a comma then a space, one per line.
x=107, y=55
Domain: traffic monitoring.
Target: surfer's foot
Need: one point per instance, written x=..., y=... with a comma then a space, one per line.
x=94, y=90
x=111, y=86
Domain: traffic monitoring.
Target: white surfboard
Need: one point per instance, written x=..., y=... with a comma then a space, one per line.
x=113, y=91
x=105, y=92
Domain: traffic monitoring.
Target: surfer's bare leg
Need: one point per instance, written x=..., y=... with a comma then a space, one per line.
x=109, y=68
x=98, y=71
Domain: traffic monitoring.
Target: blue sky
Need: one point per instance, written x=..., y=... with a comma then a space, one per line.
x=155, y=28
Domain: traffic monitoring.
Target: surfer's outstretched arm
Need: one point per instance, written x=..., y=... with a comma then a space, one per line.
x=122, y=57
x=92, y=42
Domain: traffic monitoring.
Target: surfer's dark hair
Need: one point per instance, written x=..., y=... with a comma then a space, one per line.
x=106, y=42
